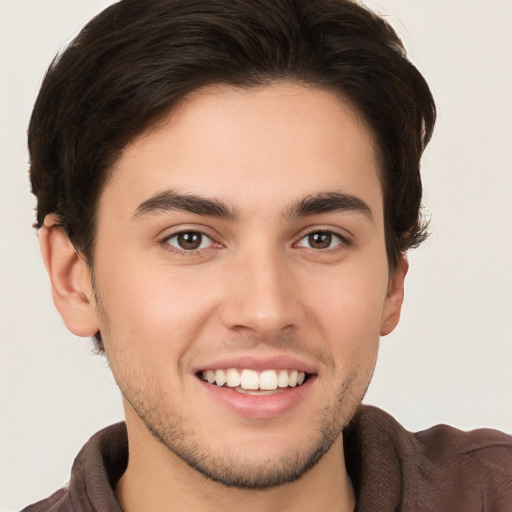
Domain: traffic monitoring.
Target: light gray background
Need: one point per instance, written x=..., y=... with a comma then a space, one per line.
x=449, y=361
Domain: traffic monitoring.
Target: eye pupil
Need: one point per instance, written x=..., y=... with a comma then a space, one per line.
x=189, y=240
x=320, y=240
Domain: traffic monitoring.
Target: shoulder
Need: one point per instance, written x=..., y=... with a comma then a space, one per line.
x=57, y=502
x=96, y=469
x=442, y=445
x=481, y=459
x=439, y=469
x=475, y=444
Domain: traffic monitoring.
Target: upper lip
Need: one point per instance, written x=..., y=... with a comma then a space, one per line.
x=258, y=362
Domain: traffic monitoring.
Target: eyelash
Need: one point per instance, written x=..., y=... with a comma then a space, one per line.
x=165, y=242
x=343, y=240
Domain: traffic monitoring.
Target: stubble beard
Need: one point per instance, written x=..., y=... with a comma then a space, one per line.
x=242, y=471
x=239, y=470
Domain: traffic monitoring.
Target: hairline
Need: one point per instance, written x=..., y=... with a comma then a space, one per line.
x=165, y=116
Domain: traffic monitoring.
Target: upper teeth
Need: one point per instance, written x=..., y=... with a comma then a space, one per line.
x=251, y=379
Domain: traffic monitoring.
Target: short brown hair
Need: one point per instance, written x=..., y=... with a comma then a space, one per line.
x=136, y=59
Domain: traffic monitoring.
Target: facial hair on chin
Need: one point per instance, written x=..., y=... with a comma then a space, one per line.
x=241, y=471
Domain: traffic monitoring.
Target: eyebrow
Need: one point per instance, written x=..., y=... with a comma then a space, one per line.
x=327, y=202
x=168, y=201
x=314, y=204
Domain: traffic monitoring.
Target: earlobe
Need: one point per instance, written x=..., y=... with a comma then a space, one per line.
x=70, y=279
x=395, y=298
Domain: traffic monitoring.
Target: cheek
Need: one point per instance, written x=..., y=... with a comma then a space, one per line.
x=153, y=310
x=347, y=306
x=348, y=299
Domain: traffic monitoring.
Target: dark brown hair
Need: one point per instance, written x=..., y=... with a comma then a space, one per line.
x=138, y=58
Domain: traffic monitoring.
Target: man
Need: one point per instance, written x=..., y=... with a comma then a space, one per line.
x=226, y=193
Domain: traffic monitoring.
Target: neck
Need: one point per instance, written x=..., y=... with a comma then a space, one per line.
x=156, y=480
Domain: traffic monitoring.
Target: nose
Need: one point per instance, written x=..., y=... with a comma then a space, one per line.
x=262, y=297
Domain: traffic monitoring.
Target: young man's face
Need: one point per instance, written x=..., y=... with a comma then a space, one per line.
x=244, y=238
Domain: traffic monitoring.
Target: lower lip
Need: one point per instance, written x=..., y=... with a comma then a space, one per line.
x=260, y=406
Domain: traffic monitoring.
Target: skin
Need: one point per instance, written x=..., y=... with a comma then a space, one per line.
x=258, y=285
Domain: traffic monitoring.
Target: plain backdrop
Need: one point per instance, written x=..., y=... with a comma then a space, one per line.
x=449, y=361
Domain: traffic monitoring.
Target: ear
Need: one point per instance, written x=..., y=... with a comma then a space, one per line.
x=70, y=279
x=394, y=298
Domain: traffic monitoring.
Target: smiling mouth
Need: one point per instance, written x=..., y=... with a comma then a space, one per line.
x=251, y=382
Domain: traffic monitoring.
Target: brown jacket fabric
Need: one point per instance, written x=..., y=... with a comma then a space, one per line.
x=438, y=470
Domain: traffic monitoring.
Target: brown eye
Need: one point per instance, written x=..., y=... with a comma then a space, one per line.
x=320, y=240
x=190, y=241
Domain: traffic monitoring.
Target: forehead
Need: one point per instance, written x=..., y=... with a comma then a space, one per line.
x=257, y=149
